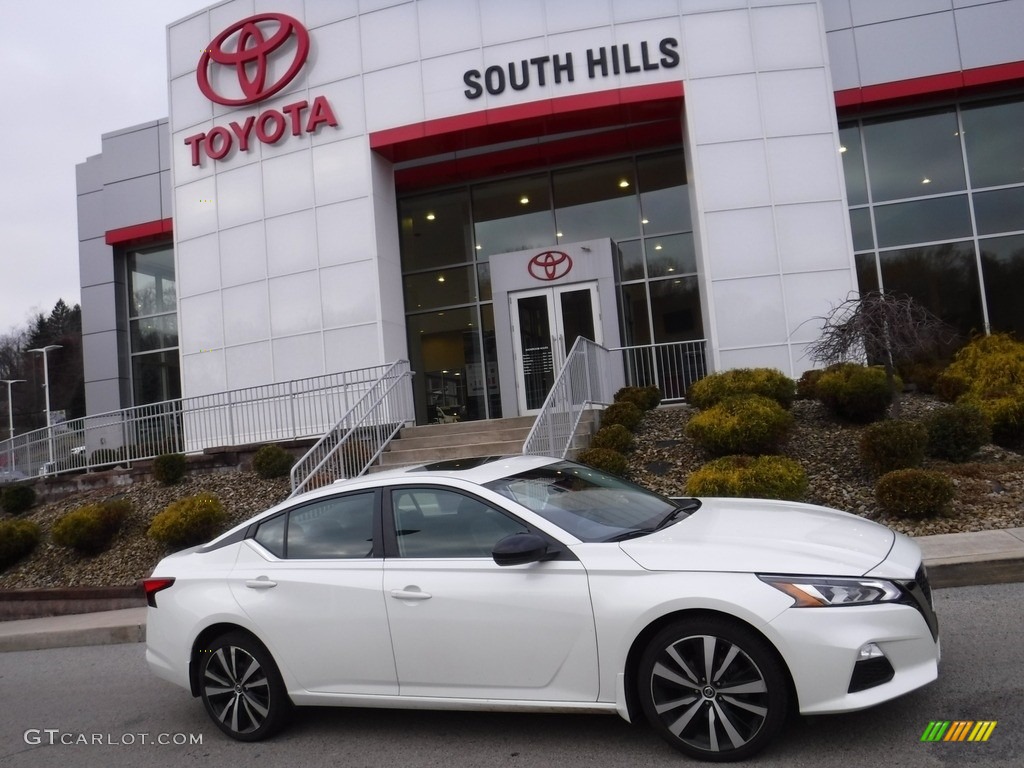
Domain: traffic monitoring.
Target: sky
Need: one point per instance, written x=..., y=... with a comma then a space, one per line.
x=72, y=71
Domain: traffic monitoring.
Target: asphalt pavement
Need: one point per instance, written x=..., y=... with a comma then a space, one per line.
x=953, y=560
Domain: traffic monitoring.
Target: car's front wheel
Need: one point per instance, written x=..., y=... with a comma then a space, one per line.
x=713, y=688
x=241, y=688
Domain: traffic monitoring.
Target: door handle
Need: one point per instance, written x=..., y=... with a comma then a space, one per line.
x=410, y=593
x=261, y=583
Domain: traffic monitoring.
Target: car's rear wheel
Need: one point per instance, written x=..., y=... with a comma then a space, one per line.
x=241, y=688
x=713, y=688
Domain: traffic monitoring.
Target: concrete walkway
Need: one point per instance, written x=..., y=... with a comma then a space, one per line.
x=953, y=560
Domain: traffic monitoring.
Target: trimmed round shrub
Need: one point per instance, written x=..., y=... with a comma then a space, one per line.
x=922, y=374
x=623, y=412
x=17, y=539
x=807, y=384
x=766, y=382
x=644, y=398
x=653, y=396
x=605, y=459
x=16, y=499
x=856, y=393
x=914, y=493
x=169, y=468
x=749, y=424
x=614, y=436
x=1005, y=414
x=761, y=477
x=957, y=433
x=91, y=528
x=272, y=461
x=889, y=445
x=948, y=387
x=189, y=521
x=992, y=368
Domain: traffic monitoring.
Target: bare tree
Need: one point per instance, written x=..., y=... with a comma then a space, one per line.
x=882, y=328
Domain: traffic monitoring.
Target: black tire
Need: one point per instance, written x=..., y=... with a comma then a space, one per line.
x=713, y=688
x=241, y=688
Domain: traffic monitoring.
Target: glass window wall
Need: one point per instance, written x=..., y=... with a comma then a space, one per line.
x=153, y=326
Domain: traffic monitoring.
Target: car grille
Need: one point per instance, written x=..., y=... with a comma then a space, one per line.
x=919, y=592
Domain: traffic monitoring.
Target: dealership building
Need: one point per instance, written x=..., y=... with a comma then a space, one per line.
x=471, y=184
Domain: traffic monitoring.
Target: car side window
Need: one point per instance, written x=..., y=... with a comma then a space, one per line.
x=434, y=522
x=336, y=527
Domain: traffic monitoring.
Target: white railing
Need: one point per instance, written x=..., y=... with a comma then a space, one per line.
x=672, y=367
x=290, y=410
x=592, y=374
x=353, y=444
x=587, y=378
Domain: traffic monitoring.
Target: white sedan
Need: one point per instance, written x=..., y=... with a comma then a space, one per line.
x=527, y=583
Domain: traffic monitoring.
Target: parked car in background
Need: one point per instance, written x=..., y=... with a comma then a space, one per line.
x=530, y=583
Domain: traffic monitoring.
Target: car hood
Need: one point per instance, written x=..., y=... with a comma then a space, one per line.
x=756, y=535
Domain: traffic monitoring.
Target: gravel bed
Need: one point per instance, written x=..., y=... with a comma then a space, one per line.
x=989, y=489
x=989, y=493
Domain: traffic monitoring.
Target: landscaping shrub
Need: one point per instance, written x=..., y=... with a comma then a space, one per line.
x=914, y=493
x=855, y=392
x=17, y=539
x=623, y=412
x=653, y=395
x=992, y=368
x=605, y=459
x=91, y=528
x=923, y=374
x=272, y=461
x=948, y=387
x=189, y=521
x=750, y=424
x=644, y=398
x=169, y=468
x=761, y=477
x=957, y=433
x=766, y=382
x=614, y=436
x=807, y=384
x=16, y=499
x=889, y=445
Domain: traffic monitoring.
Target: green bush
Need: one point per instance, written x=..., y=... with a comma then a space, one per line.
x=807, y=384
x=169, y=468
x=16, y=499
x=888, y=445
x=914, y=493
x=623, y=412
x=91, y=528
x=957, y=433
x=605, y=459
x=923, y=374
x=766, y=382
x=644, y=398
x=749, y=424
x=948, y=387
x=272, y=461
x=17, y=539
x=855, y=392
x=614, y=436
x=189, y=521
x=763, y=477
x=653, y=395
x=992, y=368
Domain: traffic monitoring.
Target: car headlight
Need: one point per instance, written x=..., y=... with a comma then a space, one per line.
x=822, y=592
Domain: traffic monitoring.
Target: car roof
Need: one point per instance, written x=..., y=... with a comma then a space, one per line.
x=477, y=470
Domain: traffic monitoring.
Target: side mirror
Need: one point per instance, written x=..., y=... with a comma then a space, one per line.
x=519, y=549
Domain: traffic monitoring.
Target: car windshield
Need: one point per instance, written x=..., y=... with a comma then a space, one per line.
x=588, y=503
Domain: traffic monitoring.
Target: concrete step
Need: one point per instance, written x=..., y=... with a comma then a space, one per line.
x=462, y=427
x=441, y=440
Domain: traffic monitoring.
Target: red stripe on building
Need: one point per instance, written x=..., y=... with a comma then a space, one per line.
x=136, y=232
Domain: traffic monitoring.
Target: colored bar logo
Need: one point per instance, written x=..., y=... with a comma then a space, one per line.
x=959, y=730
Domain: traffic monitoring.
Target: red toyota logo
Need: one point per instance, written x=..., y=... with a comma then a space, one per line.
x=249, y=57
x=550, y=265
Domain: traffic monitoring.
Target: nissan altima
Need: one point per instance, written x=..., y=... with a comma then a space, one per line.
x=530, y=583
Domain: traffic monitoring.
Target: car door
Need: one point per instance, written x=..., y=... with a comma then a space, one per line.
x=310, y=579
x=464, y=627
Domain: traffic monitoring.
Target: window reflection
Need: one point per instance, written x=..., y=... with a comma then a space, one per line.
x=942, y=218
x=853, y=165
x=860, y=225
x=151, y=283
x=999, y=211
x=1002, y=265
x=445, y=347
x=153, y=325
x=513, y=215
x=596, y=201
x=995, y=152
x=664, y=196
x=631, y=260
x=944, y=278
x=442, y=288
x=670, y=255
x=435, y=230
x=914, y=156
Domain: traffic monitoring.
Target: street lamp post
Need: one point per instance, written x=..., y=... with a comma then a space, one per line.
x=10, y=421
x=46, y=386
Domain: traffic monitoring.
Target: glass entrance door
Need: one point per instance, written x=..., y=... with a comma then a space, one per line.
x=545, y=324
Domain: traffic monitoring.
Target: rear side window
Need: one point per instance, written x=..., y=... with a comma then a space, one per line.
x=339, y=527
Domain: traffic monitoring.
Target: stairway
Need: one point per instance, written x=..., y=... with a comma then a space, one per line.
x=461, y=440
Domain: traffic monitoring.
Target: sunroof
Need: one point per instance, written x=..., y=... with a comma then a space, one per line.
x=456, y=464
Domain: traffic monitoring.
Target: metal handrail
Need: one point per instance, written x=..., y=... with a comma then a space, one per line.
x=585, y=380
x=673, y=367
x=359, y=437
x=302, y=408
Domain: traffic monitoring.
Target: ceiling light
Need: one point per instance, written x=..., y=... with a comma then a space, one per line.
x=430, y=217
x=623, y=184
x=644, y=221
x=440, y=278
x=842, y=148
x=926, y=180
x=558, y=234
x=479, y=247
x=657, y=247
x=524, y=200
